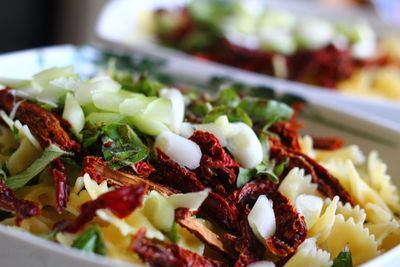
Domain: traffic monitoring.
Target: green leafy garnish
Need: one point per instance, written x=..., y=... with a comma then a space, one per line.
x=228, y=97
x=343, y=259
x=15, y=132
x=91, y=241
x=121, y=146
x=173, y=235
x=51, y=153
x=266, y=112
x=4, y=172
x=263, y=170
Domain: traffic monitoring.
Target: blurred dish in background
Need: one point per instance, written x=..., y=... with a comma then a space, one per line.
x=309, y=49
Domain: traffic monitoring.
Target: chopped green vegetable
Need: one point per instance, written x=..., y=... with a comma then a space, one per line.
x=343, y=259
x=51, y=153
x=4, y=172
x=91, y=241
x=121, y=146
x=266, y=112
x=244, y=176
x=15, y=132
x=234, y=115
x=173, y=235
x=263, y=170
x=229, y=97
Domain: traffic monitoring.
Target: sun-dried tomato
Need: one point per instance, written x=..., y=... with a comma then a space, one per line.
x=328, y=185
x=143, y=169
x=121, y=202
x=216, y=166
x=23, y=209
x=290, y=226
x=249, y=248
x=62, y=187
x=210, y=146
x=175, y=176
x=170, y=255
x=43, y=123
x=89, y=165
x=327, y=143
x=217, y=209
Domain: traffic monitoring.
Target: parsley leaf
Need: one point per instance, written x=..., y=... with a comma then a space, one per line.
x=121, y=146
x=343, y=259
x=91, y=241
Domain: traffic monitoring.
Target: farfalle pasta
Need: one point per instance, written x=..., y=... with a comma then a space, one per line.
x=141, y=172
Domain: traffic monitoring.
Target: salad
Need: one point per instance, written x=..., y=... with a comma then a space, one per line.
x=255, y=37
x=123, y=166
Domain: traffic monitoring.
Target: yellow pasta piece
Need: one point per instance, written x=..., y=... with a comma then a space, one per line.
x=23, y=157
x=322, y=228
x=296, y=183
x=382, y=182
x=383, y=230
x=308, y=254
x=357, y=213
x=352, y=152
x=306, y=145
x=362, y=245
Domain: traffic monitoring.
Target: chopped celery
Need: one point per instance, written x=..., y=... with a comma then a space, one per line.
x=85, y=91
x=160, y=110
x=73, y=113
x=134, y=106
x=14, y=83
x=107, y=100
x=148, y=126
x=159, y=211
x=43, y=79
x=104, y=117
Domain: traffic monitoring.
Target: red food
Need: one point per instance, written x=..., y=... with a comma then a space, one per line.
x=89, y=166
x=169, y=256
x=23, y=209
x=328, y=185
x=217, y=209
x=143, y=169
x=217, y=169
x=176, y=176
x=62, y=187
x=121, y=202
x=42, y=123
x=327, y=143
x=290, y=226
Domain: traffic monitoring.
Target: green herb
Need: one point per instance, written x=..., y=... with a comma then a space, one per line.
x=343, y=259
x=173, y=235
x=91, y=241
x=233, y=114
x=4, y=172
x=281, y=167
x=263, y=170
x=228, y=97
x=51, y=153
x=121, y=146
x=15, y=132
x=266, y=112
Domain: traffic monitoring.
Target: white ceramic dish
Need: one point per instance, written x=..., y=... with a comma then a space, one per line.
x=117, y=28
x=22, y=249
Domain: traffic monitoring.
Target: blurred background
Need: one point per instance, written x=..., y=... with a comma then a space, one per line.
x=27, y=24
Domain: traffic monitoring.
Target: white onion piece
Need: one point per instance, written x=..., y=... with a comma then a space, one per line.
x=181, y=150
x=178, y=107
x=262, y=218
x=245, y=146
x=192, y=200
x=186, y=129
x=310, y=207
x=262, y=264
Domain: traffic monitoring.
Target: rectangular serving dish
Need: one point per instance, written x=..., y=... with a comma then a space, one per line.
x=117, y=28
x=22, y=249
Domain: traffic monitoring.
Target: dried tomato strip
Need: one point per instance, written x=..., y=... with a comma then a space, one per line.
x=99, y=171
x=290, y=226
x=217, y=169
x=222, y=245
x=43, y=123
x=143, y=169
x=62, y=187
x=175, y=176
x=23, y=209
x=217, y=209
x=120, y=202
x=171, y=255
x=328, y=185
x=327, y=143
